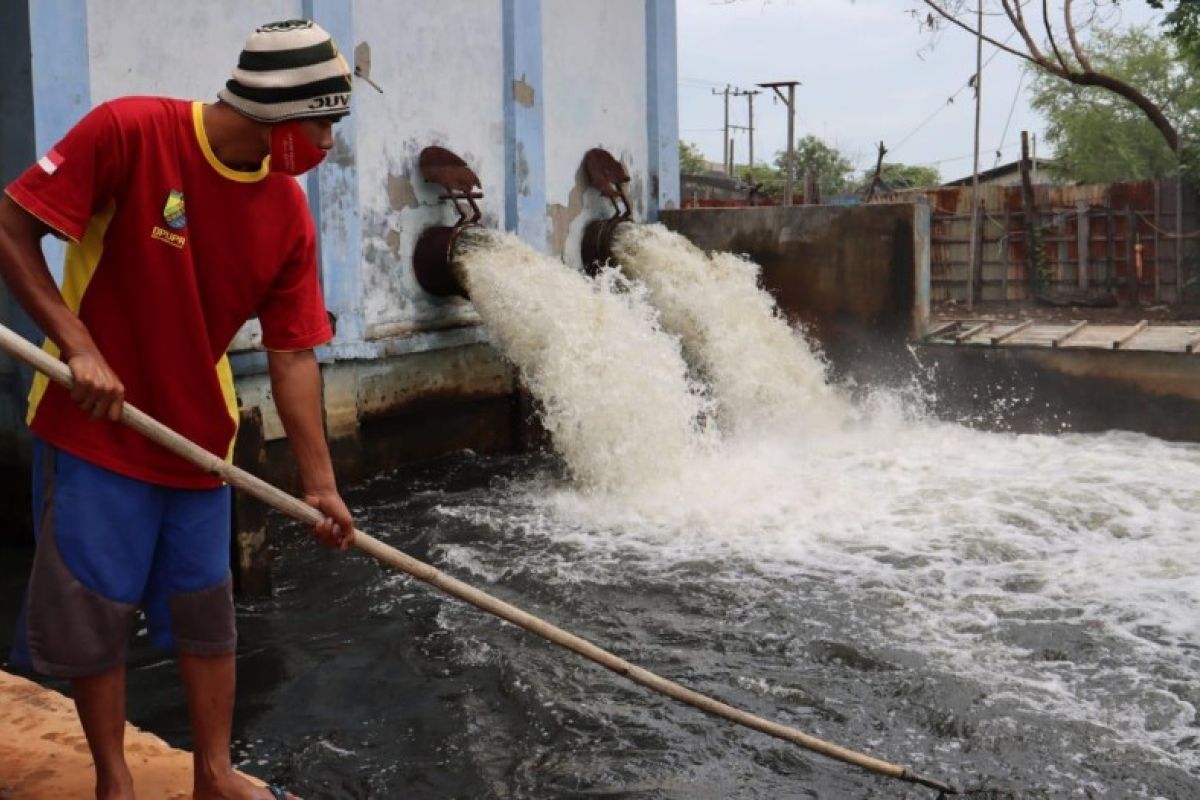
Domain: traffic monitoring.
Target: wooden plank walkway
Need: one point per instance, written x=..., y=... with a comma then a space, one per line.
x=1072, y=335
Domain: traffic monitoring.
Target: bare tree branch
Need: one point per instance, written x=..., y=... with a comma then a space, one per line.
x=1017, y=17
x=1079, y=54
x=1082, y=75
x=1050, y=36
x=955, y=21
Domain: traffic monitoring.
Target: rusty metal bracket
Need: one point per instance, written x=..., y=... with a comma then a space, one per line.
x=435, y=246
x=609, y=176
x=439, y=165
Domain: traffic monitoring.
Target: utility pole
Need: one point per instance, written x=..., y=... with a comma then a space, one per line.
x=975, y=261
x=725, y=131
x=749, y=95
x=790, y=100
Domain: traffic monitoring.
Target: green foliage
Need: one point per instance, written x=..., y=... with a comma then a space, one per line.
x=1183, y=25
x=770, y=178
x=691, y=161
x=1099, y=137
x=833, y=170
x=903, y=176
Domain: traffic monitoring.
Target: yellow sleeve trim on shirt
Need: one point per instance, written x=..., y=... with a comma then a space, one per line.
x=79, y=267
x=229, y=392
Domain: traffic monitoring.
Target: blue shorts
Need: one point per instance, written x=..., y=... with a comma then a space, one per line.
x=108, y=545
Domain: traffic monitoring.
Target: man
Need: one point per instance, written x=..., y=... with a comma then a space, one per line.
x=180, y=228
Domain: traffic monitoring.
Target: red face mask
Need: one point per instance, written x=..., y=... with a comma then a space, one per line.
x=293, y=153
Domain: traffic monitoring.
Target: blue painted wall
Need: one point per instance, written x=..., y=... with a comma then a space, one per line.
x=333, y=192
x=524, y=124
x=662, y=105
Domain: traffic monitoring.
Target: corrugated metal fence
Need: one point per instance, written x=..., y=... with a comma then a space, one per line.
x=1094, y=239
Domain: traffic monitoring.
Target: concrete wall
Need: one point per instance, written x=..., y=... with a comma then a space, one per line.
x=521, y=89
x=1042, y=390
x=857, y=277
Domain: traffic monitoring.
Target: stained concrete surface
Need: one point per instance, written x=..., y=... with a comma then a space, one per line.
x=43, y=753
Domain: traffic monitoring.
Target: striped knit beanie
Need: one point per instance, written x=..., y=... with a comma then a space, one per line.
x=289, y=70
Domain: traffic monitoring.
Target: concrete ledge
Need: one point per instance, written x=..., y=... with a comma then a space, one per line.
x=1032, y=389
x=43, y=752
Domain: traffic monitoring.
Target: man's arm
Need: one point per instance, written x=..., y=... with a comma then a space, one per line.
x=96, y=388
x=296, y=385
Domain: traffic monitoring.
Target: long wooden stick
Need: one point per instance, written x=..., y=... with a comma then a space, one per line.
x=56, y=370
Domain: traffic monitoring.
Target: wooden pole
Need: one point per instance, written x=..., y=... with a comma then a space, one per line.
x=295, y=508
x=1132, y=267
x=1083, y=240
x=1110, y=244
x=975, y=281
x=789, y=190
x=1155, y=225
x=1032, y=239
x=1180, y=281
x=974, y=259
x=1004, y=245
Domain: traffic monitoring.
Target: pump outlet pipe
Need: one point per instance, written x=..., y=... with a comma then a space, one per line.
x=57, y=371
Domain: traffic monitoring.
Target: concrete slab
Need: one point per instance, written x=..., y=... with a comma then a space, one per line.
x=43, y=752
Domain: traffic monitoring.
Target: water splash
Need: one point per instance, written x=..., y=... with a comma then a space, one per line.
x=613, y=387
x=763, y=374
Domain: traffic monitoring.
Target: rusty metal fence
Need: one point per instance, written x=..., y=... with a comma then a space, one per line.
x=1137, y=243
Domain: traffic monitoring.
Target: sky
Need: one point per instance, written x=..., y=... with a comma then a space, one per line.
x=868, y=73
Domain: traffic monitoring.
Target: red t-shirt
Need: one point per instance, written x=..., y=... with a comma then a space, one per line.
x=170, y=253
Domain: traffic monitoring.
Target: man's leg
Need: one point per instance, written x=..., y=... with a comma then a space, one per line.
x=95, y=540
x=100, y=703
x=189, y=608
x=210, y=682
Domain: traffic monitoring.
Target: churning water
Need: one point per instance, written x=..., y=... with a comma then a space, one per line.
x=1012, y=612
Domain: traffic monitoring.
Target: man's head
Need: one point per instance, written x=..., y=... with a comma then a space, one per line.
x=289, y=71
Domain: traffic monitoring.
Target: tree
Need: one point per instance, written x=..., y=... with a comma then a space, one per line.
x=769, y=178
x=1098, y=137
x=903, y=176
x=833, y=170
x=691, y=161
x=1061, y=54
x=1183, y=25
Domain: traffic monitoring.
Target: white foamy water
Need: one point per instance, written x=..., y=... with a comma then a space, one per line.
x=762, y=373
x=1058, y=573
x=614, y=389
x=979, y=551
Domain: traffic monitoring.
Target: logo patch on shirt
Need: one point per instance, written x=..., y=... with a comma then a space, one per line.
x=51, y=161
x=173, y=211
x=163, y=235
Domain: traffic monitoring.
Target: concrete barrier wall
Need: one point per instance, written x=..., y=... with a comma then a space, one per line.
x=857, y=277
x=1052, y=391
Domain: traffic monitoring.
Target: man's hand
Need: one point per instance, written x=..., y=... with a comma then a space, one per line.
x=95, y=387
x=337, y=529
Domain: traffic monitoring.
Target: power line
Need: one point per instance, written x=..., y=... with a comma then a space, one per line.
x=950, y=100
x=1008, y=121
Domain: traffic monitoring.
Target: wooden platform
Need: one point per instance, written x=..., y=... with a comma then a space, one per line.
x=1073, y=335
x=43, y=753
